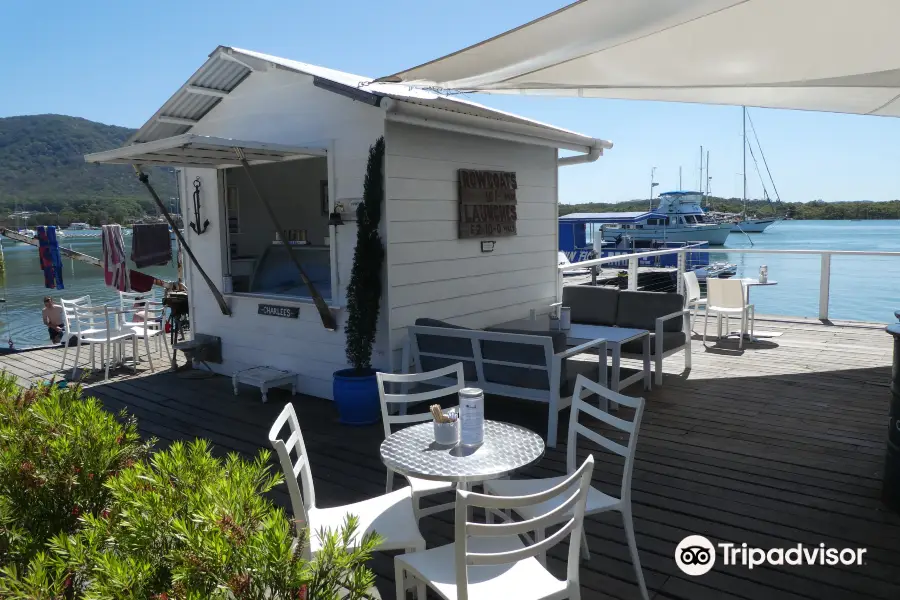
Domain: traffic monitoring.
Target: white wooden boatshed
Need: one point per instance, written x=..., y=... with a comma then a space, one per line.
x=307, y=131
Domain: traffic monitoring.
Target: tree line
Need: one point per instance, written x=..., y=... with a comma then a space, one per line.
x=814, y=210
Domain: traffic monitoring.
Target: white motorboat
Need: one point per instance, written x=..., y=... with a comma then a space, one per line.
x=753, y=225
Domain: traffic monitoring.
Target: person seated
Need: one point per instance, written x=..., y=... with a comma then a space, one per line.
x=52, y=316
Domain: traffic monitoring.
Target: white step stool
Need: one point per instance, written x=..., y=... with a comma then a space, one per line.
x=265, y=378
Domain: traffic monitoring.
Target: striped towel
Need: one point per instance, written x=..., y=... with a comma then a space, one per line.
x=115, y=268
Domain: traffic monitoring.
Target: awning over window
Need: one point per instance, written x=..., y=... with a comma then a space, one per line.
x=190, y=150
x=826, y=55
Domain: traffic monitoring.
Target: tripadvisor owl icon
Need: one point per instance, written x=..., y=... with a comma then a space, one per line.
x=695, y=555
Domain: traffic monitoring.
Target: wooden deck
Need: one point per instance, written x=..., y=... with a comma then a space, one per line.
x=776, y=445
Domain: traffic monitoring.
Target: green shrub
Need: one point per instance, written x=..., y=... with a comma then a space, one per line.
x=57, y=452
x=188, y=525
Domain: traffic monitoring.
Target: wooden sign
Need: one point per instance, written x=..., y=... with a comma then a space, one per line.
x=274, y=310
x=487, y=203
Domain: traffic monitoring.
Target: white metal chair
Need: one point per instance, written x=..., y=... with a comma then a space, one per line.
x=597, y=501
x=726, y=297
x=390, y=515
x=133, y=301
x=148, y=328
x=68, y=309
x=490, y=561
x=98, y=326
x=693, y=299
x=420, y=487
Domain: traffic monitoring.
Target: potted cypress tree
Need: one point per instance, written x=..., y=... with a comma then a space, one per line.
x=356, y=389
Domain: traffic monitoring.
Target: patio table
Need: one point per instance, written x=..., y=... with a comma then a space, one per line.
x=506, y=448
x=748, y=284
x=615, y=336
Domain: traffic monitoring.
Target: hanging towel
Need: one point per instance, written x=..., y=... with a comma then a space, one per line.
x=115, y=269
x=140, y=282
x=51, y=261
x=151, y=245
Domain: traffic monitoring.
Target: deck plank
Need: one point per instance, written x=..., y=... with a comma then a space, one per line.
x=776, y=444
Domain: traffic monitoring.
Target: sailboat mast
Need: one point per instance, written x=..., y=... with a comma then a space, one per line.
x=707, y=179
x=700, y=183
x=744, y=114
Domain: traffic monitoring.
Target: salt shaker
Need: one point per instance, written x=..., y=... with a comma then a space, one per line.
x=763, y=274
x=471, y=416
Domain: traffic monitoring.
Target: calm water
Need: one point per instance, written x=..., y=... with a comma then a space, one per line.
x=20, y=319
x=863, y=288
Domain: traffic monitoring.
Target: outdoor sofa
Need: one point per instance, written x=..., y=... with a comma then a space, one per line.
x=519, y=364
x=662, y=314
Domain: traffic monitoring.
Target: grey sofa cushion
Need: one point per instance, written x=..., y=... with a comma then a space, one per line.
x=639, y=310
x=671, y=339
x=528, y=354
x=573, y=368
x=457, y=348
x=592, y=305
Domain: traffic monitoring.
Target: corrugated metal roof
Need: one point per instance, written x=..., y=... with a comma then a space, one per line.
x=227, y=68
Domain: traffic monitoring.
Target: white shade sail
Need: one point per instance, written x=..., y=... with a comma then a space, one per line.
x=824, y=55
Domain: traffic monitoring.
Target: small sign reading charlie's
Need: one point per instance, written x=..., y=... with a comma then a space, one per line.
x=487, y=203
x=274, y=310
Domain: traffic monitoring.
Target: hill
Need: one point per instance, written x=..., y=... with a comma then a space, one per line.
x=42, y=169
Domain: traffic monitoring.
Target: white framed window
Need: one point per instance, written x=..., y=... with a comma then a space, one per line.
x=297, y=192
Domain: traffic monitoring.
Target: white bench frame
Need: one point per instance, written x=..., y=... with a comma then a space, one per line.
x=552, y=364
x=658, y=354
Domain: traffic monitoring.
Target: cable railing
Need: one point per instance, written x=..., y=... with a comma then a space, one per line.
x=627, y=275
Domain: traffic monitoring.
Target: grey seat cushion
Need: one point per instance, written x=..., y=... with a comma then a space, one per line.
x=591, y=305
x=588, y=368
x=671, y=339
x=639, y=310
x=455, y=349
x=526, y=354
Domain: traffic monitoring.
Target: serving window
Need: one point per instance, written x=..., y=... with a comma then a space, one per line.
x=258, y=258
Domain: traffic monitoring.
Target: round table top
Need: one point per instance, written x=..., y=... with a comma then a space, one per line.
x=750, y=281
x=412, y=451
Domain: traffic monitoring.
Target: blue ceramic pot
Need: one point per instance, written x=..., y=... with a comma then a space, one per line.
x=356, y=396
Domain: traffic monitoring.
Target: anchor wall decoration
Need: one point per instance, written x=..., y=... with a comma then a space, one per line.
x=195, y=225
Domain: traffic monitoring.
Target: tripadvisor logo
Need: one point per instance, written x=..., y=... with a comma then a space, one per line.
x=696, y=555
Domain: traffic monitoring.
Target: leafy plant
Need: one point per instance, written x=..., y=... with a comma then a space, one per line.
x=186, y=524
x=364, y=289
x=57, y=452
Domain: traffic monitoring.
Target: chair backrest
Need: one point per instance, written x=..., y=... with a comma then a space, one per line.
x=497, y=360
x=146, y=312
x=302, y=499
x=129, y=300
x=570, y=513
x=580, y=409
x=92, y=317
x=724, y=293
x=386, y=379
x=691, y=287
x=68, y=307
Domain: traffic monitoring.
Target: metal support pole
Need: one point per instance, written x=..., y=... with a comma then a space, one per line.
x=824, y=286
x=679, y=275
x=633, y=273
x=594, y=275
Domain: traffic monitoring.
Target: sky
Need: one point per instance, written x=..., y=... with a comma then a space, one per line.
x=117, y=62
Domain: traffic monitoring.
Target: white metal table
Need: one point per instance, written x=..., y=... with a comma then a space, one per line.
x=506, y=448
x=265, y=378
x=751, y=283
x=615, y=336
